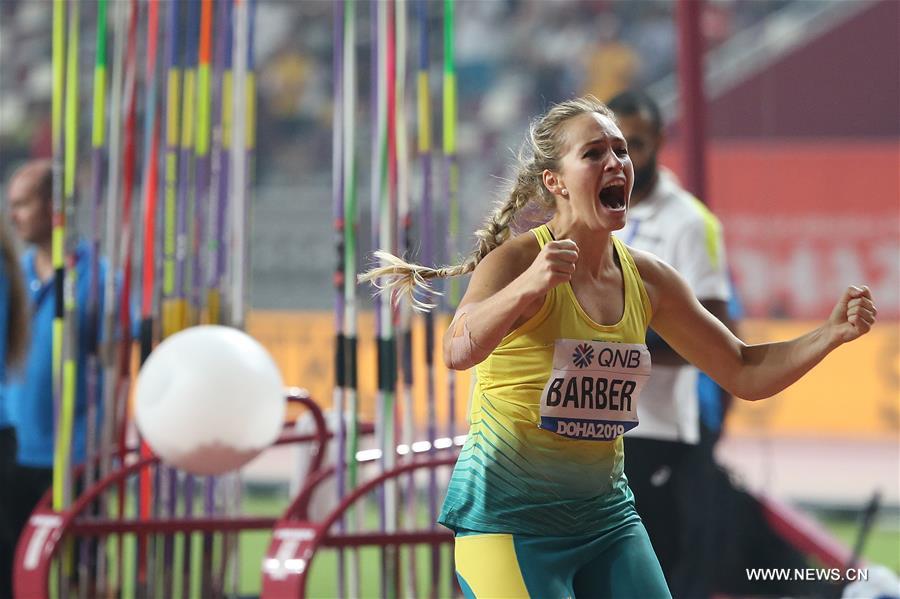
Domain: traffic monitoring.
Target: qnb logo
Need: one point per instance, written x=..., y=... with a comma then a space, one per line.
x=583, y=355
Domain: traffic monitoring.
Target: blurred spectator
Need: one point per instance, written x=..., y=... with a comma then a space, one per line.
x=620, y=44
x=611, y=66
x=284, y=80
x=29, y=394
x=13, y=345
x=513, y=59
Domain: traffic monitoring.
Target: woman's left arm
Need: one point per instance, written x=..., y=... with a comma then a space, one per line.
x=748, y=371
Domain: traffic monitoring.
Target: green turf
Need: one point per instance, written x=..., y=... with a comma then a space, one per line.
x=882, y=545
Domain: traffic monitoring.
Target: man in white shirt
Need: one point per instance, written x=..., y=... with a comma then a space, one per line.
x=662, y=452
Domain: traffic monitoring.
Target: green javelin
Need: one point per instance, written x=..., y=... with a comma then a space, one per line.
x=63, y=244
x=59, y=74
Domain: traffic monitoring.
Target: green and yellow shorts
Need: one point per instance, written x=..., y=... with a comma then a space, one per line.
x=617, y=563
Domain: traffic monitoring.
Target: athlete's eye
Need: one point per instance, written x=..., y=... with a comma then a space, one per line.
x=592, y=154
x=622, y=152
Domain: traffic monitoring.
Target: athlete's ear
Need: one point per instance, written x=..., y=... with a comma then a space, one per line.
x=554, y=184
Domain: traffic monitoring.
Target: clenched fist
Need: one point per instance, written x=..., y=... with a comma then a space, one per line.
x=853, y=315
x=553, y=266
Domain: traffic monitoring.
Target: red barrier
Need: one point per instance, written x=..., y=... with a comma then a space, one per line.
x=45, y=530
x=295, y=542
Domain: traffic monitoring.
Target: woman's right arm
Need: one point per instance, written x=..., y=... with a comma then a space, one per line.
x=507, y=287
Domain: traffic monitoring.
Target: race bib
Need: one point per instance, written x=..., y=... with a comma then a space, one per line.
x=593, y=389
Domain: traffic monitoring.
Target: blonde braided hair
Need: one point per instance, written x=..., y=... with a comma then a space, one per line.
x=541, y=151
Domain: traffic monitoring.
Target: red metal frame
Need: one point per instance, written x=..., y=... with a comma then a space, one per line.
x=295, y=541
x=45, y=529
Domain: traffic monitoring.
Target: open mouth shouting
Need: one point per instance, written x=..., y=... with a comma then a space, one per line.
x=612, y=197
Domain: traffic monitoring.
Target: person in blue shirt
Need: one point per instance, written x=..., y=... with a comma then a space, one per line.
x=29, y=396
x=13, y=344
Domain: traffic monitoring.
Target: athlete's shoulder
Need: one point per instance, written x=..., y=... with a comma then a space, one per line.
x=655, y=272
x=513, y=256
x=648, y=264
x=501, y=266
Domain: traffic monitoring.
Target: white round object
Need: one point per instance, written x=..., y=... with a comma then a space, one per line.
x=873, y=582
x=209, y=399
